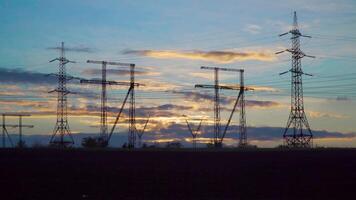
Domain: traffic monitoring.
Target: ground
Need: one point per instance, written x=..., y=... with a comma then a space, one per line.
x=177, y=174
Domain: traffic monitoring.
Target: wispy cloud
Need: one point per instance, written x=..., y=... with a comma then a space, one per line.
x=253, y=28
x=199, y=97
x=316, y=114
x=213, y=56
x=119, y=72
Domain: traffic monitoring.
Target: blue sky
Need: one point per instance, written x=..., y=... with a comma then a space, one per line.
x=126, y=30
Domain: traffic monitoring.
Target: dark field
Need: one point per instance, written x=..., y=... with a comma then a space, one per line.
x=114, y=174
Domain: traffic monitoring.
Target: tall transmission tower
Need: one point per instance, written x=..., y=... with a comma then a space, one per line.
x=5, y=133
x=243, y=129
x=297, y=121
x=62, y=136
x=132, y=109
x=218, y=135
x=104, y=135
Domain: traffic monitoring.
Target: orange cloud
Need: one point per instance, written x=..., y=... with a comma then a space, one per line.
x=213, y=56
x=316, y=114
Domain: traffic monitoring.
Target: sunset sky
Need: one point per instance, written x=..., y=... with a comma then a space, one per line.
x=169, y=41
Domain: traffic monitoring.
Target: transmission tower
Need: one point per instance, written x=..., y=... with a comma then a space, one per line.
x=62, y=136
x=104, y=135
x=132, y=109
x=5, y=134
x=297, y=121
x=243, y=130
x=218, y=136
x=194, y=132
x=141, y=132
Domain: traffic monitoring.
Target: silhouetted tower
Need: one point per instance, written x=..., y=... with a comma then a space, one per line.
x=104, y=136
x=61, y=134
x=132, y=114
x=218, y=136
x=5, y=133
x=298, y=137
x=243, y=130
x=20, y=143
x=141, y=132
x=194, y=132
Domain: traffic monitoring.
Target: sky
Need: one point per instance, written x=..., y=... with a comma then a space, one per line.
x=169, y=41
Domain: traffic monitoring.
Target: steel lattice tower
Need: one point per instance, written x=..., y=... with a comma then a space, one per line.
x=104, y=137
x=218, y=135
x=298, y=137
x=61, y=134
x=243, y=129
x=132, y=116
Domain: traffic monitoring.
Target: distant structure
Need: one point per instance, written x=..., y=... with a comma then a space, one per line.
x=104, y=136
x=218, y=135
x=297, y=121
x=62, y=136
x=5, y=133
x=133, y=132
x=141, y=132
x=194, y=132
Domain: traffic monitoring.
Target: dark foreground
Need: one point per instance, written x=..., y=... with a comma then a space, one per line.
x=263, y=174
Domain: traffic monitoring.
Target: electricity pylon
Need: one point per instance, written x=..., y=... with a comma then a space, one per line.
x=5, y=133
x=104, y=135
x=194, y=132
x=141, y=132
x=218, y=135
x=297, y=121
x=61, y=136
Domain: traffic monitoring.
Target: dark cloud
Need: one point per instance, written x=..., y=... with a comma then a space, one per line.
x=196, y=96
x=179, y=132
x=165, y=110
x=113, y=72
x=255, y=103
x=342, y=98
x=175, y=130
x=21, y=76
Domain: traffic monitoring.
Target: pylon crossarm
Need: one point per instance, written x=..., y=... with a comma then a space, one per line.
x=231, y=115
x=222, y=69
x=110, y=63
x=93, y=81
x=119, y=114
x=221, y=87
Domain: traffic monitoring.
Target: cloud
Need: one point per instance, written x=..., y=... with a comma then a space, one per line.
x=213, y=56
x=253, y=28
x=201, y=75
x=316, y=114
x=75, y=49
x=21, y=76
x=264, y=104
x=118, y=72
x=263, y=88
x=342, y=98
x=199, y=97
x=180, y=133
